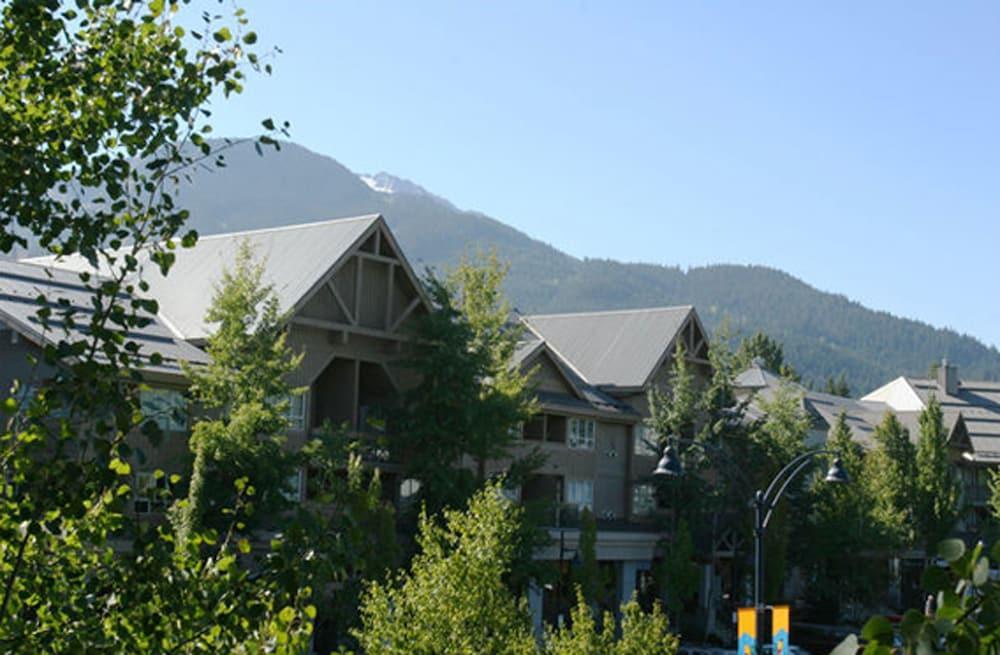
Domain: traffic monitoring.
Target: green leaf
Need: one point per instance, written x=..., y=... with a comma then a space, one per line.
x=982, y=572
x=222, y=35
x=951, y=549
x=935, y=579
x=879, y=629
x=911, y=624
x=119, y=466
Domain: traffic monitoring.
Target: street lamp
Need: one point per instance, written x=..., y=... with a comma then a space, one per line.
x=764, y=502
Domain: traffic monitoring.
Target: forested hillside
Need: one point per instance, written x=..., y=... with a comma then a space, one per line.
x=824, y=334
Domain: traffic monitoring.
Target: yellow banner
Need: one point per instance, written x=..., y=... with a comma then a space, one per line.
x=780, y=629
x=746, y=621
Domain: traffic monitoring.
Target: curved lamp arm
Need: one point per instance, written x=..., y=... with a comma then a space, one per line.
x=769, y=499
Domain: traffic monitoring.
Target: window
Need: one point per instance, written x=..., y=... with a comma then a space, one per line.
x=643, y=500
x=581, y=433
x=580, y=493
x=166, y=407
x=292, y=491
x=534, y=429
x=296, y=411
x=408, y=488
x=645, y=442
x=148, y=492
x=512, y=493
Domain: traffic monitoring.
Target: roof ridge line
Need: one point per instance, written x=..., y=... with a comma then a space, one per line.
x=636, y=310
x=294, y=226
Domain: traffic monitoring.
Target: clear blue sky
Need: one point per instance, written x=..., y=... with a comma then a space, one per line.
x=854, y=145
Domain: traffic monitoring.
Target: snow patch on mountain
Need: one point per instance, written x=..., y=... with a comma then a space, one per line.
x=383, y=182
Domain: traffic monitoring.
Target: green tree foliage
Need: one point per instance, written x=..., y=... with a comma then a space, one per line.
x=839, y=530
x=103, y=106
x=470, y=400
x=677, y=574
x=346, y=533
x=638, y=633
x=965, y=618
x=937, y=493
x=589, y=578
x=769, y=351
x=674, y=411
x=837, y=386
x=453, y=599
x=889, y=473
x=245, y=386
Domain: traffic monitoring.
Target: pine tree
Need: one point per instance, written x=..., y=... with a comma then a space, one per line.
x=674, y=412
x=470, y=399
x=889, y=473
x=838, y=386
x=588, y=576
x=769, y=351
x=840, y=532
x=677, y=574
x=506, y=395
x=245, y=384
x=937, y=490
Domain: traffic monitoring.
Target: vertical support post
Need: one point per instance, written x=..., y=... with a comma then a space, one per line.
x=758, y=552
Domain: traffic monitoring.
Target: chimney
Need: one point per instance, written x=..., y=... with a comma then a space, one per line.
x=947, y=378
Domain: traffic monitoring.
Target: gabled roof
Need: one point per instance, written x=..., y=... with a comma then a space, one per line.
x=898, y=394
x=583, y=397
x=297, y=258
x=22, y=283
x=620, y=349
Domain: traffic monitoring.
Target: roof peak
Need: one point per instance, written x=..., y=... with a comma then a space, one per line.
x=604, y=312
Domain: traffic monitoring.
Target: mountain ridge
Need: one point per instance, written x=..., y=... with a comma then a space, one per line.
x=824, y=334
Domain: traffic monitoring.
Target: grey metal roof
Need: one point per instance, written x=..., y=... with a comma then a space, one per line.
x=614, y=348
x=296, y=257
x=978, y=403
x=20, y=286
x=588, y=398
x=861, y=416
x=757, y=377
x=980, y=414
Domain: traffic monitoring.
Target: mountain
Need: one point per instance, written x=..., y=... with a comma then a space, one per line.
x=823, y=334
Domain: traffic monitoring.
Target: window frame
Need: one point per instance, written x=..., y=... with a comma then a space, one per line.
x=581, y=439
x=576, y=484
x=646, y=492
x=155, y=503
x=297, y=421
x=643, y=441
x=166, y=416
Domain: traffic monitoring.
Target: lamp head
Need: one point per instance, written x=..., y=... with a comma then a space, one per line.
x=670, y=464
x=837, y=474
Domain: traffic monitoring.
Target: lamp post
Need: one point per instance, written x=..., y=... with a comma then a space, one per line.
x=764, y=503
